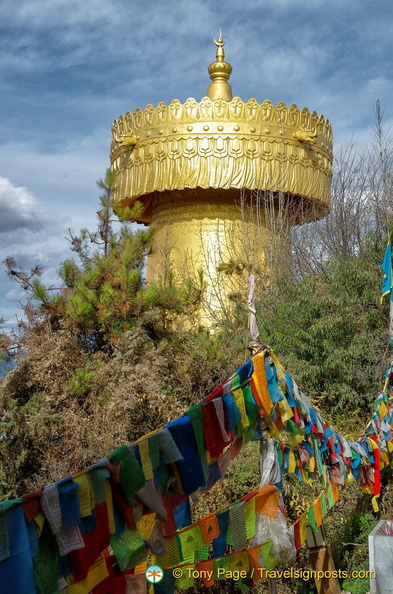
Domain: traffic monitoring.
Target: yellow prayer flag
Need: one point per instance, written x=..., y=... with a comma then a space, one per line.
x=302, y=528
x=374, y=503
x=39, y=521
x=171, y=558
x=237, y=393
x=98, y=572
x=279, y=368
x=291, y=462
x=144, y=453
x=382, y=410
x=146, y=525
x=285, y=410
x=260, y=382
x=294, y=439
x=239, y=561
x=149, y=435
x=350, y=478
x=372, y=444
x=86, y=503
x=273, y=431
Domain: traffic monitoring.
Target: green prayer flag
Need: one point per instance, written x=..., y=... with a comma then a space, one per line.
x=129, y=548
x=311, y=519
x=249, y=432
x=221, y=563
x=318, y=457
x=186, y=580
x=252, y=409
x=191, y=540
x=235, y=382
x=330, y=497
x=279, y=456
x=249, y=512
x=154, y=450
x=5, y=505
x=97, y=477
x=46, y=563
x=132, y=477
x=291, y=427
x=269, y=562
x=323, y=503
x=202, y=554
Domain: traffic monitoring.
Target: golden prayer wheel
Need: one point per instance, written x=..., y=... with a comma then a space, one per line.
x=198, y=167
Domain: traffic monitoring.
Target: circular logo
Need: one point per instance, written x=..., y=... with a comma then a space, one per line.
x=154, y=574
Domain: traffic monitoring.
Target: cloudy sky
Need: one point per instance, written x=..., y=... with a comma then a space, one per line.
x=69, y=67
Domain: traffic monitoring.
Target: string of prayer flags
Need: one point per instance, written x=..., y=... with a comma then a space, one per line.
x=137, y=498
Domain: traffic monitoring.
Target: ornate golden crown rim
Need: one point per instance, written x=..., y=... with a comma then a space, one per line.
x=219, y=118
x=281, y=108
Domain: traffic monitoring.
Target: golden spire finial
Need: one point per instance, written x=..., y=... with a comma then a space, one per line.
x=219, y=71
x=220, y=55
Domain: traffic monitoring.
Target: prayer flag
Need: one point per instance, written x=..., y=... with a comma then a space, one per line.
x=269, y=562
x=387, y=269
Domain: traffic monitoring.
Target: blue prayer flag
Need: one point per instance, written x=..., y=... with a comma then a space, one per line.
x=387, y=268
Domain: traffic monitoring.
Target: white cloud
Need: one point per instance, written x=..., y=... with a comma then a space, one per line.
x=32, y=235
x=379, y=85
x=19, y=209
x=64, y=179
x=14, y=295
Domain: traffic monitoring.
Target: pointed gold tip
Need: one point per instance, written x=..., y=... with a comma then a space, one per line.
x=220, y=42
x=220, y=71
x=220, y=54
